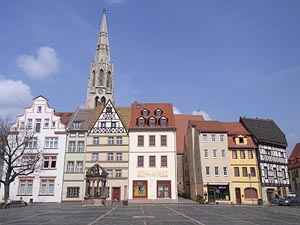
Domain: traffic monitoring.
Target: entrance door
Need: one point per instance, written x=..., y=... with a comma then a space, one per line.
x=164, y=189
x=238, y=195
x=116, y=191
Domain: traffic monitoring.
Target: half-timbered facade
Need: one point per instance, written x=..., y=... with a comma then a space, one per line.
x=49, y=131
x=272, y=159
x=107, y=145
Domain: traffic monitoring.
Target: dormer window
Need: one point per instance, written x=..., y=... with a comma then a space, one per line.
x=76, y=125
x=163, y=122
x=241, y=140
x=152, y=122
x=145, y=112
x=158, y=113
x=141, y=122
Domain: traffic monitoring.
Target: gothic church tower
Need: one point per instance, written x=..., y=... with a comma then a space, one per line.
x=101, y=80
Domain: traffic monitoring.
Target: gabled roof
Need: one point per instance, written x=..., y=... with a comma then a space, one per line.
x=264, y=130
x=235, y=129
x=124, y=114
x=64, y=117
x=95, y=115
x=137, y=108
x=80, y=115
x=294, y=159
x=211, y=126
x=181, y=123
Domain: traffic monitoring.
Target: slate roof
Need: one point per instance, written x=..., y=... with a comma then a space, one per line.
x=264, y=130
x=137, y=108
x=181, y=123
x=294, y=159
x=80, y=115
x=235, y=129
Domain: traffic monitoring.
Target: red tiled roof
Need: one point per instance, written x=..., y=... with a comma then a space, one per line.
x=64, y=116
x=181, y=123
x=137, y=108
x=294, y=159
x=211, y=126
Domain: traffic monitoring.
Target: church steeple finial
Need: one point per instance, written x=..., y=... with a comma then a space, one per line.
x=101, y=81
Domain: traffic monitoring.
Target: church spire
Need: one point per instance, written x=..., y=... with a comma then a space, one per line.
x=101, y=81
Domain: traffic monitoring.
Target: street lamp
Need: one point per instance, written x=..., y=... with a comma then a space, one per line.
x=249, y=175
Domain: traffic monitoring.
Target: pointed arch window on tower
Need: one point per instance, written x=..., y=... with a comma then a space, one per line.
x=109, y=81
x=101, y=78
x=96, y=101
x=93, y=78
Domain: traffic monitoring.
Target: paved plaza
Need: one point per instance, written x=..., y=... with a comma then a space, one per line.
x=148, y=214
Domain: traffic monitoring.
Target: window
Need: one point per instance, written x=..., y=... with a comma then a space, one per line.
x=163, y=122
x=119, y=156
x=158, y=112
x=275, y=172
x=46, y=123
x=140, y=161
x=245, y=173
x=163, y=161
x=152, y=122
x=94, y=156
x=225, y=171
x=145, y=112
x=79, y=166
x=28, y=161
x=38, y=125
x=110, y=156
x=109, y=173
x=119, y=140
x=113, y=124
x=22, y=125
x=70, y=166
x=223, y=153
x=53, y=125
x=118, y=173
x=213, y=138
x=204, y=138
x=283, y=173
x=250, y=154
x=108, y=109
x=72, y=146
x=25, y=187
x=76, y=125
x=39, y=109
x=140, y=140
x=252, y=171
x=110, y=140
x=103, y=124
x=216, y=171
x=51, y=142
x=49, y=162
x=80, y=146
x=236, y=172
x=73, y=192
x=29, y=123
x=207, y=171
x=222, y=137
x=266, y=172
x=151, y=161
x=163, y=140
x=32, y=143
x=242, y=154
x=141, y=122
x=151, y=140
x=234, y=155
x=206, y=153
x=47, y=187
x=96, y=140
x=241, y=140
x=215, y=153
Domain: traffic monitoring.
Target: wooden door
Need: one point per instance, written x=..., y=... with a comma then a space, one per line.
x=238, y=195
x=116, y=194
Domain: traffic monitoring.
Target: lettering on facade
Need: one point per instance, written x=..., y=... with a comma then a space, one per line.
x=163, y=173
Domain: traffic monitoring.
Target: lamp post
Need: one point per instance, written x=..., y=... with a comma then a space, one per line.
x=249, y=175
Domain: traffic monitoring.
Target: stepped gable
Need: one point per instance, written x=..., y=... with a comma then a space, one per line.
x=80, y=115
x=294, y=159
x=264, y=130
x=125, y=115
x=235, y=129
x=137, y=112
x=181, y=123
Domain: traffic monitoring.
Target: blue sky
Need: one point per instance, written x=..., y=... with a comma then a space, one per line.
x=225, y=59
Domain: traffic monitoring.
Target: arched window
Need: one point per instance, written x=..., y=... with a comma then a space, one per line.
x=109, y=81
x=103, y=99
x=141, y=122
x=250, y=193
x=93, y=78
x=96, y=101
x=152, y=122
x=101, y=78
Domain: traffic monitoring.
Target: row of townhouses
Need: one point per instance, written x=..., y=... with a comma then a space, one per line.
x=148, y=153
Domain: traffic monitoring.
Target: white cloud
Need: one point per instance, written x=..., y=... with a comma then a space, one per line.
x=41, y=66
x=14, y=97
x=115, y=2
x=176, y=110
x=204, y=114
